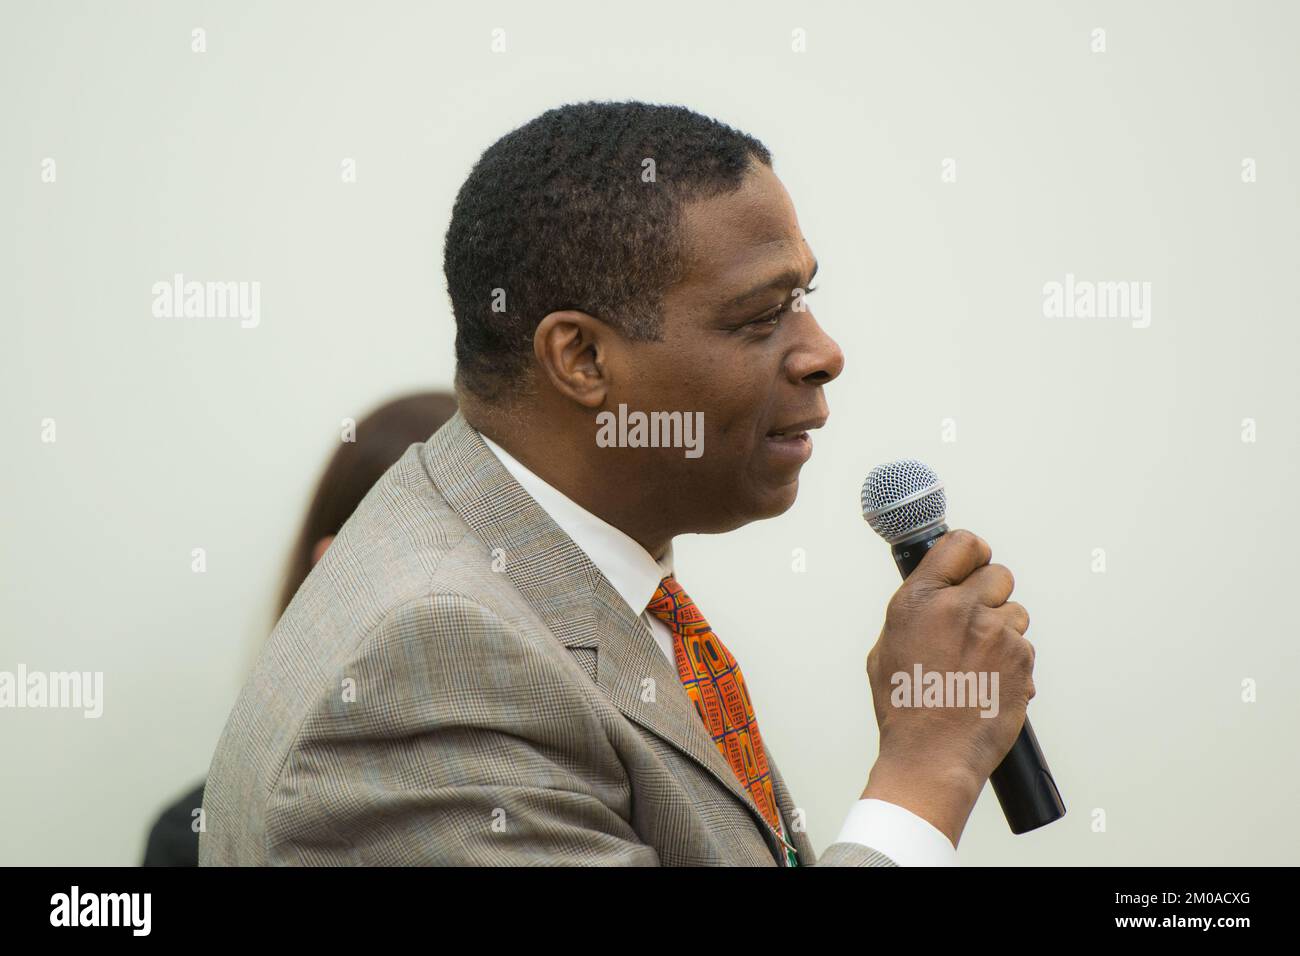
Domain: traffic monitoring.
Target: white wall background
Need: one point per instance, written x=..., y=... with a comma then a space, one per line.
x=1071, y=434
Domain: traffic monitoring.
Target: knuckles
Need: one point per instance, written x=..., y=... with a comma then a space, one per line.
x=986, y=625
x=970, y=542
x=962, y=538
x=1004, y=572
x=1015, y=615
x=1030, y=655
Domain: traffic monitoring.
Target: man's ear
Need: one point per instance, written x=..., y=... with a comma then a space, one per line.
x=573, y=349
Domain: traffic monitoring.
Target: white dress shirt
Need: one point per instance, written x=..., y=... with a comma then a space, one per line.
x=892, y=830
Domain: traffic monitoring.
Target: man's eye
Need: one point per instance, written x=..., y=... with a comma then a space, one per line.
x=774, y=318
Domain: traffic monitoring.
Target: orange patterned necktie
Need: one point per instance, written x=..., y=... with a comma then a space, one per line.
x=715, y=685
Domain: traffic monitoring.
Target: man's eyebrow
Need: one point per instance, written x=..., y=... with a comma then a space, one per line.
x=789, y=279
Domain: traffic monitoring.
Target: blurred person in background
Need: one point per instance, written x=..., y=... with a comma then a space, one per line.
x=381, y=438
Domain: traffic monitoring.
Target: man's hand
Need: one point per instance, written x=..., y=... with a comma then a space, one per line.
x=951, y=615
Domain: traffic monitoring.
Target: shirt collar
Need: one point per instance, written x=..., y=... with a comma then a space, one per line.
x=628, y=567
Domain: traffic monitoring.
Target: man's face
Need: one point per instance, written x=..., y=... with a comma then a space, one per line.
x=740, y=345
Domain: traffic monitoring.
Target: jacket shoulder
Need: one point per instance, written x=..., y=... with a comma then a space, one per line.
x=405, y=597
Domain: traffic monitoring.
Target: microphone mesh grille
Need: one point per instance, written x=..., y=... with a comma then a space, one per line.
x=895, y=481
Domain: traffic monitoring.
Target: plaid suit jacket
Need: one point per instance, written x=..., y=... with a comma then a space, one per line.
x=456, y=683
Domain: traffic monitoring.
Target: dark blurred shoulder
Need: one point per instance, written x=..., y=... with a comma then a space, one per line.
x=172, y=840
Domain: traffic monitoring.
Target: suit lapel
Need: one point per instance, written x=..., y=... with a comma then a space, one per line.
x=794, y=825
x=576, y=601
x=637, y=677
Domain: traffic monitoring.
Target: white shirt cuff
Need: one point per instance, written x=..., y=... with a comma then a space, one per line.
x=898, y=833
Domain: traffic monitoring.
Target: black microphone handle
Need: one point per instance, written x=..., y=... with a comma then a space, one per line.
x=1022, y=781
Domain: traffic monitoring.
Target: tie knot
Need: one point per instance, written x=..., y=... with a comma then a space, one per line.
x=674, y=606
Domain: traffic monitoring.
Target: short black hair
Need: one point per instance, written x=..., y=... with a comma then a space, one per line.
x=558, y=214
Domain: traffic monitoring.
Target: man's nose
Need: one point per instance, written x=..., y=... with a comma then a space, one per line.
x=818, y=359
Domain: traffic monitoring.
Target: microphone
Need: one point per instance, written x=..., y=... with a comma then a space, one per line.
x=904, y=502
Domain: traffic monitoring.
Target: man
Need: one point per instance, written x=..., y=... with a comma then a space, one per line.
x=494, y=663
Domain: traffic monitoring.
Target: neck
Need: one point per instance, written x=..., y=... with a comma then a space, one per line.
x=563, y=459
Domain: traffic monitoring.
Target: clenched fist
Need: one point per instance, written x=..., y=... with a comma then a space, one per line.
x=952, y=617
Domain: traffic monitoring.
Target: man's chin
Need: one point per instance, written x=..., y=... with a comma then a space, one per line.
x=783, y=498
x=772, y=502
x=776, y=500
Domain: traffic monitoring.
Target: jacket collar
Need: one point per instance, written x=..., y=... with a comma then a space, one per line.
x=579, y=605
x=630, y=569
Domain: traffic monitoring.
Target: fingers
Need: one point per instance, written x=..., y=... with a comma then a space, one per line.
x=1015, y=616
x=952, y=559
x=991, y=584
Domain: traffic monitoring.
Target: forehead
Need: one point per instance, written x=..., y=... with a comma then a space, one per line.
x=733, y=241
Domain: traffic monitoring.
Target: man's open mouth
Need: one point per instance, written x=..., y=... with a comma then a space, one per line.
x=795, y=431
